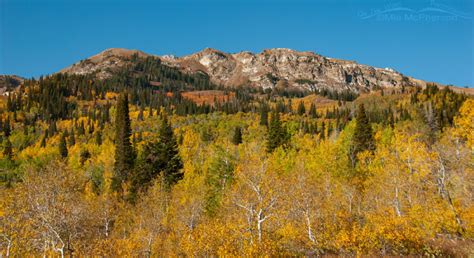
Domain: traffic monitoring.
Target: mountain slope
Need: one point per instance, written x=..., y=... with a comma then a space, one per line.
x=104, y=63
x=271, y=68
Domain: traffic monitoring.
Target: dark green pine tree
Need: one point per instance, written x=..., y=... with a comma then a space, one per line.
x=323, y=130
x=237, y=137
x=312, y=111
x=363, y=137
x=98, y=138
x=150, y=111
x=63, y=146
x=9, y=104
x=7, y=128
x=52, y=128
x=276, y=133
x=43, y=140
x=172, y=172
x=72, y=138
x=301, y=109
x=158, y=158
x=264, y=116
x=124, y=153
x=81, y=128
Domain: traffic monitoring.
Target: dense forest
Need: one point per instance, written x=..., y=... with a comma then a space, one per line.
x=155, y=162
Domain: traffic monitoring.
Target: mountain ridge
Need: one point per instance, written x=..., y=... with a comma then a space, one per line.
x=277, y=67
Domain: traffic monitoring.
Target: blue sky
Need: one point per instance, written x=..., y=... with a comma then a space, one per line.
x=426, y=39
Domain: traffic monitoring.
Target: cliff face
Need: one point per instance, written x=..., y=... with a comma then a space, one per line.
x=270, y=68
x=298, y=69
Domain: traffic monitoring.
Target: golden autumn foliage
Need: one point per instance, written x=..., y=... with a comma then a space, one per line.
x=408, y=197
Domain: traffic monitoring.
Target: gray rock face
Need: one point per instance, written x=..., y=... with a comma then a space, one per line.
x=305, y=70
x=9, y=83
x=298, y=69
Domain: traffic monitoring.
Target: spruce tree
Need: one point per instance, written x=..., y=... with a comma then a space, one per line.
x=81, y=129
x=52, y=128
x=98, y=138
x=264, y=116
x=301, y=109
x=312, y=111
x=159, y=157
x=363, y=137
x=72, y=138
x=7, y=128
x=140, y=114
x=237, y=137
x=323, y=130
x=124, y=154
x=172, y=172
x=63, y=146
x=150, y=112
x=276, y=133
x=43, y=140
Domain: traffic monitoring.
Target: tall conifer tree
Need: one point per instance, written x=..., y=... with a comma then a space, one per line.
x=237, y=137
x=124, y=153
x=63, y=146
x=363, y=137
x=276, y=133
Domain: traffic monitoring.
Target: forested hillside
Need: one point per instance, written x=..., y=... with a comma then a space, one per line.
x=155, y=162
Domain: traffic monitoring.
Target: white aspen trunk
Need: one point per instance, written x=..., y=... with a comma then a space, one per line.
x=310, y=230
x=259, y=225
x=9, y=245
x=397, y=203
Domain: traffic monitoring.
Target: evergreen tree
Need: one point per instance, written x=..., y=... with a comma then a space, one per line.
x=9, y=103
x=140, y=114
x=91, y=128
x=172, y=172
x=323, y=130
x=312, y=111
x=7, y=128
x=158, y=158
x=301, y=109
x=72, y=138
x=237, y=137
x=81, y=129
x=98, y=138
x=52, y=128
x=63, y=146
x=363, y=137
x=150, y=112
x=8, y=149
x=276, y=133
x=84, y=155
x=43, y=140
x=264, y=116
x=124, y=153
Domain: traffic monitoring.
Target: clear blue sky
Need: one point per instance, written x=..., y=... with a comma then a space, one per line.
x=41, y=37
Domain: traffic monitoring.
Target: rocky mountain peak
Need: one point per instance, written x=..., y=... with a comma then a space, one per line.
x=299, y=69
x=103, y=63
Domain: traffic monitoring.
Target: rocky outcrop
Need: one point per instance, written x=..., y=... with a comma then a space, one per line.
x=9, y=83
x=278, y=67
x=296, y=69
